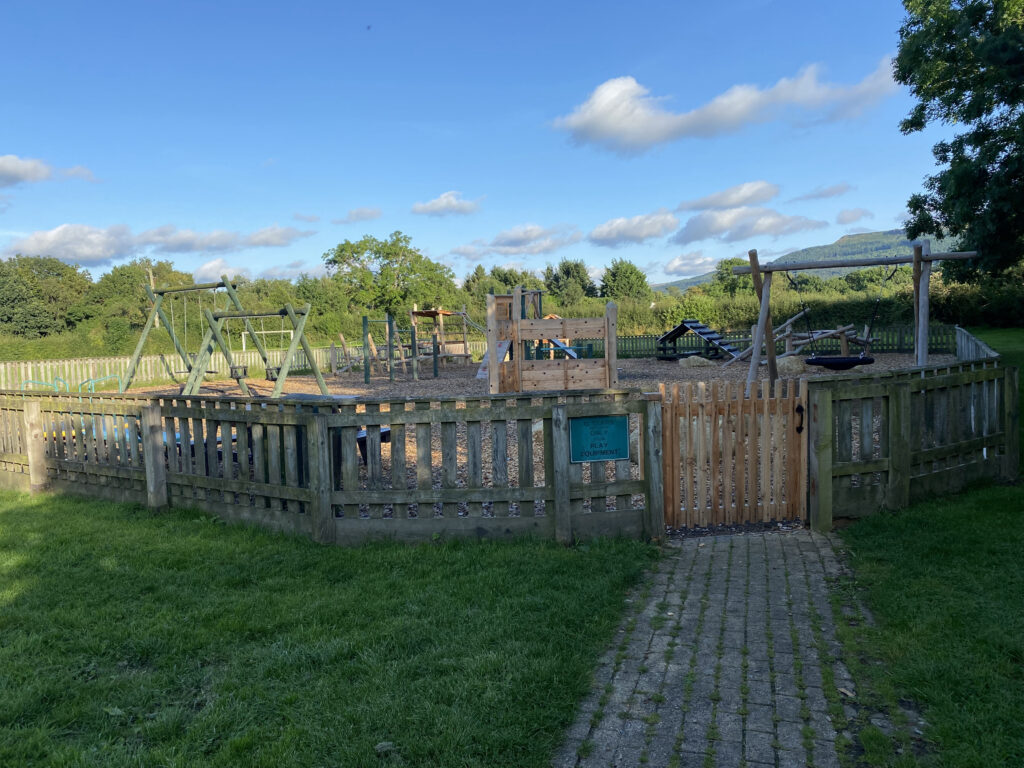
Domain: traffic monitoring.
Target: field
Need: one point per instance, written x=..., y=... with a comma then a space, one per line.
x=132, y=639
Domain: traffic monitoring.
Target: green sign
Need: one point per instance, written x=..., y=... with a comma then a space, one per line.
x=598, y=438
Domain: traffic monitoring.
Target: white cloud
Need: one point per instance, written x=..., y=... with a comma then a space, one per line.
x=850, y=215
x=309, y=218
x=211, y=271
x=19, y=170
x=274, y=237
x=822, y=193
x=596, y=273
x=637, y=229
x=84, y=244
x=522, y=240
x=736, y=224
x=446, y=204
x=688, y=264
x=16, y=170
x=292, y=270
x=622, y=115
x=358, y=214
x=79, y=172
x=748, y=193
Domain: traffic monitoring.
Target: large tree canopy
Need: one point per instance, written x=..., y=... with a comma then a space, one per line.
x=569, y=281
x=964, y=61
x=624, y=280
x=389, y=275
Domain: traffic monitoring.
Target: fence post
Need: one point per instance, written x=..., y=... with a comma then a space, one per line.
x=819, y=459
x=560, y=458
x=35, y=446
x=897, y=494
x=153, y=458
x=322, y=512
x=654, y=515
x=1011, y=423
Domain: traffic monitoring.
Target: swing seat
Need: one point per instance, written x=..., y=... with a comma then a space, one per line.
x=239, y=371
x=837, y=363
x=272, y=373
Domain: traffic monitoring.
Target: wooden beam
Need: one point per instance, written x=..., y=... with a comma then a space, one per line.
x=922, y=306
x=762, y=322
x=773, y=370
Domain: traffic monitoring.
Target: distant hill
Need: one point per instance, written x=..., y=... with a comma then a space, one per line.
x=867, y=245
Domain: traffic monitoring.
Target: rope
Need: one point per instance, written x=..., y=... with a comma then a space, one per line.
x=807, y=313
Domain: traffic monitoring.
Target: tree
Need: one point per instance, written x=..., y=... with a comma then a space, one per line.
x=569, y=281
x=36, y=294
x=963, y=62
x=389, y=275
x=624, y=280
x=725, y=283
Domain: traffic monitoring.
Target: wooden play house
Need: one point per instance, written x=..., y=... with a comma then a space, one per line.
x=528, y=353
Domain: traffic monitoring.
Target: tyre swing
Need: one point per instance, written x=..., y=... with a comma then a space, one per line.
x=840, y=362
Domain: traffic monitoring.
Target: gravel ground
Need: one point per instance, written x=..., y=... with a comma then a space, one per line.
x=460, y=380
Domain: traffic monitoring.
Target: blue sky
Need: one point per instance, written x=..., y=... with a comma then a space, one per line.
x=255, y=136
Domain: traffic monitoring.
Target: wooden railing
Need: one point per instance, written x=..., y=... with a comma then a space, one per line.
x=884, y=441
x=970, y=347
x=344, y=471
x=732, y=459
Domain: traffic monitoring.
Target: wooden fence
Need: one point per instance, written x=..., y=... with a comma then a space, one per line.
x=733, y=459
x=888, y=440
x=942, y=339
x=970, y=347
x=342, y=471
x=155, y=369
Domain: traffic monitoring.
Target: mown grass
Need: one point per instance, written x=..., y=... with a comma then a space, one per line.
x=128, y=639
x=944, y=582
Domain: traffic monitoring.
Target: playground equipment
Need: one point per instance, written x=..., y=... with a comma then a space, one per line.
x=512, y=333
x=762, y=275
x=196, y=365
x=714, y=345
x=395, y=350
x=436, y=332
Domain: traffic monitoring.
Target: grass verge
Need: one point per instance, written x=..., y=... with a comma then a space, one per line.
x=943, y=580
x=132, y=639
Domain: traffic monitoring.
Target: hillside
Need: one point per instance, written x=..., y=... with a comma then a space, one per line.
x=886, y=244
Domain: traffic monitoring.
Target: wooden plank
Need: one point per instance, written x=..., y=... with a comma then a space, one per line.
x=715, y=472
x=399, y=468
x=274, y=476
x=374, y=466
x=320, y=490
x=153, y=457
x=742, y=510
x=474, y=465
x=524, y=450
x=449, y=465
x=654, y=517
x=424, y=459
x=897, y=493
x=765, y=443
x=499, y=462
x=623, y=470
x=778, y=452
x=701, y=449
x=350, y=467
x=1011, y=424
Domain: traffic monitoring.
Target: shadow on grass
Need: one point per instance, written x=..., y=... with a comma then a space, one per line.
x=132, y=639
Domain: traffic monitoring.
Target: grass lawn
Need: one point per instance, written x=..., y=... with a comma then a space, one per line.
x=128, y=639
x=945, y=583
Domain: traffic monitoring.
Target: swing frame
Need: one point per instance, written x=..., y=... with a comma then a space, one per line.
x=921, y=260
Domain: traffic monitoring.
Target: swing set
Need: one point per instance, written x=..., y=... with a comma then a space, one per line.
x=217, y=335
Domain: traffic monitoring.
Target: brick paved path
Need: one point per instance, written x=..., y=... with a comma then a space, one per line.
x=720, y=662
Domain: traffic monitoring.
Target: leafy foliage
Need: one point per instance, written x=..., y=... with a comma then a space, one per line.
x=569, y=281
x=624, y=280
x=389, y=275
x=963, y=61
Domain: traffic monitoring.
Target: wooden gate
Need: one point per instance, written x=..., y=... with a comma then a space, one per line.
x=734, y=459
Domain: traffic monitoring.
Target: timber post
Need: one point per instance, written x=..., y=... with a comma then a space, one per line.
x=560, y=459
x=154, y=459
x=819, y=459
x=654, y=514
x=322, y=512
x=35, y=446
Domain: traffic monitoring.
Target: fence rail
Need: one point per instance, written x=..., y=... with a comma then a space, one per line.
x=888, y=440
x=970, y=347
x=345, y=472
